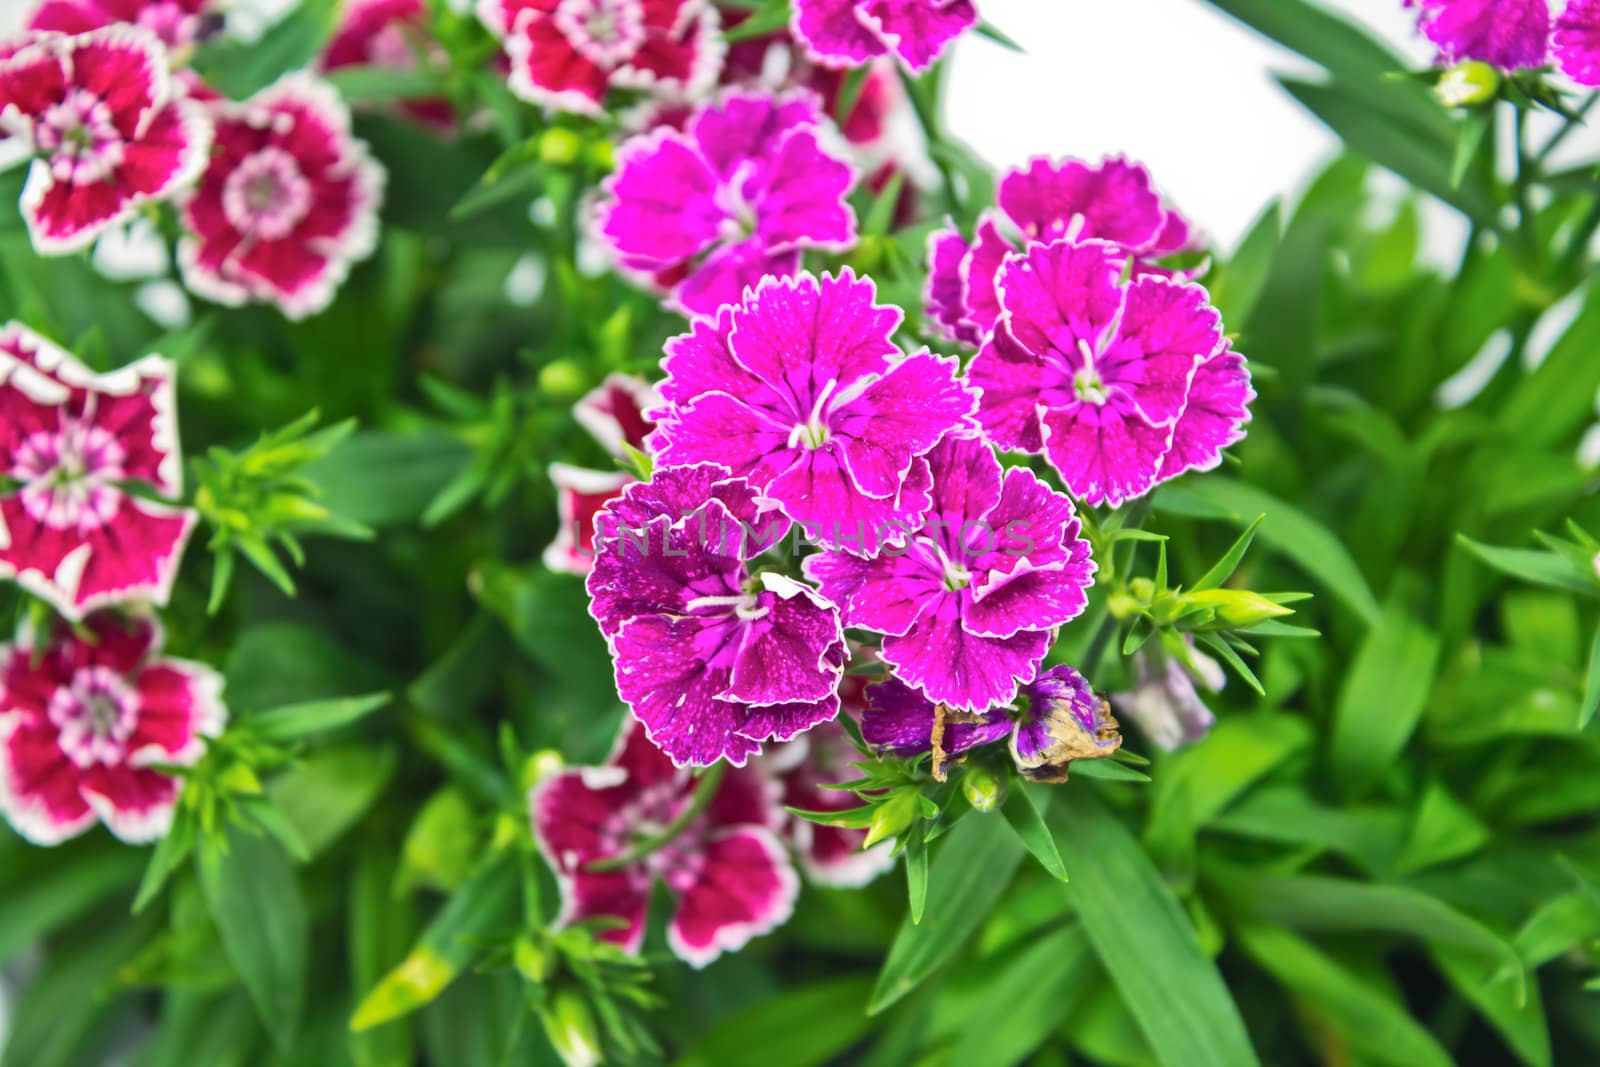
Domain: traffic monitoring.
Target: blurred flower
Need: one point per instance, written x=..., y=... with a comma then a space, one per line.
x=71, y=441
x=829, y=855
x=1577, y=41
x=289, y=201
x=566, y=54
x=1510, y=34
x=1114, y=201
x=968, y=608
x=849, y=33
x=712, y=657
x=1164, y=703
x=707, y=212
x=729, y=875
x=802, y=391
x=107, y=131
x=614, y=414
x=390, y=34
x=178, y=23
x=1096, y=372
x=83, y=718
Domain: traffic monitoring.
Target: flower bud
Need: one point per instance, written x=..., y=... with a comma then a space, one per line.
x=569, y=1024
x=893, y=817
x=1235, y=607
x=1467, y=84
x=559, y=147
x=983, y=790
x=532, y=960
x=562, y=380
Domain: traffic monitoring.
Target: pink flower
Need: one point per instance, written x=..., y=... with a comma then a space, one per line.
x=566, y=54
x=1510, y=34
x=802, y=391
x=392, y=35
x=1577, y=41
x=728, y=874
x=287, y=204
x=108, y=131
x=1111, y=201
x=1120, y=383
x=71, y=441
x=708, y=212
x=614, y=414
x=82, y=720
x=178, y=23
x=848, y=33
x=829, y=855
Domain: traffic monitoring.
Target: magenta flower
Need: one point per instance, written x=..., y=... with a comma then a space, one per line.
x=968, y=609
x=392, y=35
x=1100, y=373
x=1509, y=34
x=82, y=721
x=1114, y=201
x=829, y=855
x=566, y=54
x=849, y=33
x=713, y=657
x=1054, y=720
x=614, y=414
x=1576, y=41
x=71, y=441
x=801, y=391
x=108, y=132
x=728, y=874
x=707, y=212
x=178, y=23
x=289, y=201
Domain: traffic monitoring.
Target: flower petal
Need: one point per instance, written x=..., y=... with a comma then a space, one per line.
x=747, y=888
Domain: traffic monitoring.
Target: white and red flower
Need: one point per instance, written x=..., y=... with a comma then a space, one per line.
x=84, y=720
x=107, y=127
x=71, y=441
x=727, y=871
x=179, y=23
x=614, y=414
x=566, y=54
x=290, y=200
x=392, y=35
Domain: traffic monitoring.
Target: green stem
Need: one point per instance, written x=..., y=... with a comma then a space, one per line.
x=1568, y=127
x=929, y=121
x=1527, y=172
x=704, y=790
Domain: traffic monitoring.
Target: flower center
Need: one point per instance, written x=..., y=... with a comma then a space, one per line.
x=81, y=138
x=266, y=196
x=68, y=477
x=814, y=432
x=1087, y=383
x=605, y=32
x=95, y=714
x=677, y=863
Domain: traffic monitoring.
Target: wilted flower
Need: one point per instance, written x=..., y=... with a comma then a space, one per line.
x=72, y=441
x=848, y=33
x=107, y=129
x=706, y=212
x=1576, y=41
x=1510, y=34
x=712, y=656
x=566, y=54
x=968, y=609
x=1164, y=703
x=289, y=201
x=729, y=875
x=1100, y=373
x=614, y=414
x=801, y=391
x=178, y=23
x=82, y=720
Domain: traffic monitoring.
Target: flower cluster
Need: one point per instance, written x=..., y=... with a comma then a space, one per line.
x=1515, y=34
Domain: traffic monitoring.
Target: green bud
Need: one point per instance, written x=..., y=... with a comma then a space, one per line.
x=532, y=960
x=559, y=147
x=893, y=817
x=1234, y=607
x=1467, y=84
x=569, y=1024
x=983, y=790
x=539, y=766
x=562, y=380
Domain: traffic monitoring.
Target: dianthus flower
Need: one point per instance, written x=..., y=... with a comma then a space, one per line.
x=713, y=656
x=566, y=54
x=729, y=875
x=1113, y=200
x=1120, y=383
x=71, y=442
x=178, y=23
x=84, y=718
x=706, y=212
x=390, y=34
x=1053, y=720
x=969, y=607
x=1576, y=41
x=614, y=414
x=1509, y=34
x=108, y=131
x=289, y=201
x=801, y=391
x=848, y=33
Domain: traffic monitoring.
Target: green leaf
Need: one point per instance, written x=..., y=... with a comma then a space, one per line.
x=1223, y=569
x=808, y=1025
x=1024, y=816
x=1346, y=51
x=70, y=885
x=1444, y=830
x=1517, y=1013
x=1030, y=992
x=1383, y=696
x=1244, y=276
x=382, y=84
x=1470, y=140
x=327, y=793
x=1286, y=529
x=916, y=856
x=62, y=1007
x=771, y=17
x=1146, y=943
x=386, y=479
x=972, y=869
x=316, y=716
x=1531, y=565
x=255, y=901
x=1107, y=771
